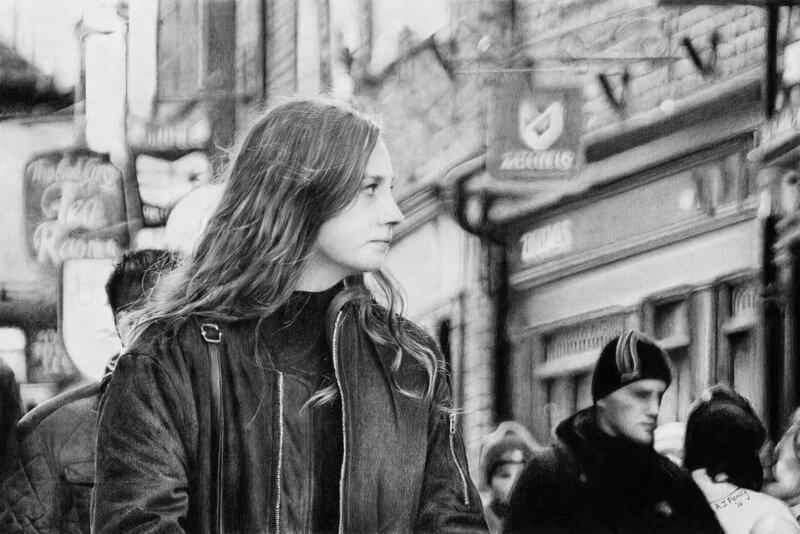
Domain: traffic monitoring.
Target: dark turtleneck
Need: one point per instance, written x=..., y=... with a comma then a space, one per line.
x=295, y=335
x=297, y=346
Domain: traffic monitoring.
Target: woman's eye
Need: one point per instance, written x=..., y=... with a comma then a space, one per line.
x=371, y=188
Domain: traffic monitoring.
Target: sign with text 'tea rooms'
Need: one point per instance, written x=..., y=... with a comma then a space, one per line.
x=535, y=130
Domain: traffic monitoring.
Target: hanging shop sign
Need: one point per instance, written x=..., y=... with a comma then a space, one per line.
x=536, y=130
x=547, y=242
x=87, y=322
x=74, y=207
x=163, y=185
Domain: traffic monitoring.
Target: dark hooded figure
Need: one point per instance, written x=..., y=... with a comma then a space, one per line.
x=10, y=406
x=602, y=474
x=723, y=438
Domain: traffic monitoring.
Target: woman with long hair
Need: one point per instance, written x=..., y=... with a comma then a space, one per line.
x=264, y=388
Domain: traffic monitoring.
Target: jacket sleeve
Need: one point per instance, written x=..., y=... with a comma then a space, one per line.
x=21, y=507
x=141, y=482
x=449, y=500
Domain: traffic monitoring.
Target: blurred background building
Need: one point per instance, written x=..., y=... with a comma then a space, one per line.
x=568, y=168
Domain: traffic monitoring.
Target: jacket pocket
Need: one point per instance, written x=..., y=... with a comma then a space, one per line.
x=461, y=474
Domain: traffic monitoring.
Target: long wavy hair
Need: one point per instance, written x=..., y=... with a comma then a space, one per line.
x=300, y=163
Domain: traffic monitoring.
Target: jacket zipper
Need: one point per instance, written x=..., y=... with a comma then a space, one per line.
x=335, y=343
x=278, y=475
x=455, y=459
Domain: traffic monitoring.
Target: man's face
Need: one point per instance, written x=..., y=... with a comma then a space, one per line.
x=632, y=410
x=503, y=479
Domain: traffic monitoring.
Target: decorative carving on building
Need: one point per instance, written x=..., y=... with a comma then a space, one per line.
x=582, y=338
x=743, y=298
x=619, y=36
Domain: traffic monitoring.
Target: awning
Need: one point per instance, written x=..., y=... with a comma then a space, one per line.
x=23, y=86
x=781, y=151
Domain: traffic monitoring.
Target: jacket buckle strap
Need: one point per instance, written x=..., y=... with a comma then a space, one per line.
x=210, y=333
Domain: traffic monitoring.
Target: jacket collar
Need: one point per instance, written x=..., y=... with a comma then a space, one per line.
x=596, y=449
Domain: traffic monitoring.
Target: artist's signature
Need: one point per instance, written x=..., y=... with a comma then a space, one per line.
x=737, y=498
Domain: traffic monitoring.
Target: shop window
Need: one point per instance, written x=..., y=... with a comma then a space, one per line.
x=179, y=42
x=724, y=182
x=569, y=354
x=12, y=351
x=309, y=46
x=668, y=320
x=583, y=388
x=740, y=363
x=249, y=50
x=48, y=358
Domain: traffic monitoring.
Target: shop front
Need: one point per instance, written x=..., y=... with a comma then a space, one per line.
x=777, y=159
x=661, y=235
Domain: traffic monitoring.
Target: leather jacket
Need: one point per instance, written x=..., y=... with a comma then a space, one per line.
x=404, y=467
x=588, y=481
x=48, y=471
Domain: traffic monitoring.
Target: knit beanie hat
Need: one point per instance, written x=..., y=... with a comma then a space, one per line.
x=510, y=449
x=724, y=435
x=627, y=358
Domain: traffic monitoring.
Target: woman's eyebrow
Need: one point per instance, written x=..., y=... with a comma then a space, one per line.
x=379, y=178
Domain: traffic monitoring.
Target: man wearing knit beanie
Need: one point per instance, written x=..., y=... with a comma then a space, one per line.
x=602, y=474
x=629, y=379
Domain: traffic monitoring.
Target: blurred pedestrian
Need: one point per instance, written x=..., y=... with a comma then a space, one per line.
x=504, y=454
x=47, y=479
x=10, y=406
x=723, y=439
x=785, y=484
x=602, y=474
x=266, y=389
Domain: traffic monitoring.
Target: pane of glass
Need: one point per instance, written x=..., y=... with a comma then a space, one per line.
x=12, y=351
x=561, y=400
x=671, y=319
x=748, y=376
x=584, y=390
x=683, y=375
x=669, y=403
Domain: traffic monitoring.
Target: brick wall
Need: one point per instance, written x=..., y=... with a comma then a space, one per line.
x=630, y=29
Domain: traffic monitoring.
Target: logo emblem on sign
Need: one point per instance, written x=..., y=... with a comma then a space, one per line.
x=540, y=129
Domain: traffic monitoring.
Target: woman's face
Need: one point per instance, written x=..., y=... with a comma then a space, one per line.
x=786, y=471
x=504, y=478
x=356, y=239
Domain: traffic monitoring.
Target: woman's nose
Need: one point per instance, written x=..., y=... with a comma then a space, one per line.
x=391, y=212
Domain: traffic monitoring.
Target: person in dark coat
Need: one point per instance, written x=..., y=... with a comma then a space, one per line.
x=602, y=474
x=10, y=406
x=723, y=438
x=504, y=454
x=265, y=388
x=48, y=474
